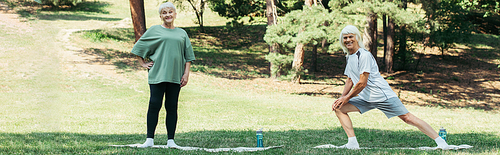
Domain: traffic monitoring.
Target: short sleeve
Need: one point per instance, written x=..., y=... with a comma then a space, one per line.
x=365, y=62
x=189, y=53
x=147, y=44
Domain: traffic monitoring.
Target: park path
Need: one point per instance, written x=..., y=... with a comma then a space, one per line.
x=40, y=68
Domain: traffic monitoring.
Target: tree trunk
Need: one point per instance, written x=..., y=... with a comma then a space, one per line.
x=298, y=55
x=298, y=60
x=138, y=18
x=384, y=27
x=199, y=13
x=402, y=42
x=390, y=47
x=314, y=57
x=271, y=14
x=370, y=35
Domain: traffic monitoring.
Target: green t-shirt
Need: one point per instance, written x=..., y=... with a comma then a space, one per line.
x=170, y=49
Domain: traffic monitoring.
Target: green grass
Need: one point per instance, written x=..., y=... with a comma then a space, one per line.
x=50, y=106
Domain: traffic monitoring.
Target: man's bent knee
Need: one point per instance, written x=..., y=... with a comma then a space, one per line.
x=407, y=118
x=338, y=112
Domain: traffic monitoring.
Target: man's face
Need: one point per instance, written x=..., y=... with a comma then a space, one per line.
x=168, y=15
x=350, y=41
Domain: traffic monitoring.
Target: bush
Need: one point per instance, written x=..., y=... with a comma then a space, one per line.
x=282, y=63
x=59, y=2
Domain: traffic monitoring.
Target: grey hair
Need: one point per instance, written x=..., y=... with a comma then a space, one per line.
x=167, y=5
x=350, y=29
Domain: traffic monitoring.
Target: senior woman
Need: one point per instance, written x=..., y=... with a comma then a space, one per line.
x=170, y=51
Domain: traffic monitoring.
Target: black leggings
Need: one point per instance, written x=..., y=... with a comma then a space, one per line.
x=171, y=92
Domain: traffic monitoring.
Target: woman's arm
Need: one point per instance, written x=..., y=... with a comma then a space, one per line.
x=145, y=64
x=185, y=77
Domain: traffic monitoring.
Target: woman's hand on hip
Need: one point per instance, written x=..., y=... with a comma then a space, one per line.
x=148, y=65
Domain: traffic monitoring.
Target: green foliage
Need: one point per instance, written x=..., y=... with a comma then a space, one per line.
x=488, y=7
x=102, y=35
x=59, y=2
x=449, y=24
x=319, y=23
x=286, y=6
x=312, y=21
x=236, y=9
x=281, y=63
x=314, y=24
x=399, y=15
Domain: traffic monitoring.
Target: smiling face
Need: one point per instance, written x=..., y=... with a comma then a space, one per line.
x=350, y=42
x=168, y=15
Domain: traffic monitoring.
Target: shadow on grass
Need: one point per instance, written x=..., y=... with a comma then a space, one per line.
x=32, y=10
x=122, y=60
x=320, y=92
x=239, y=54
x=466, y=74
x=85, y=6
x=74, y=17
x=81, y=12
x=294, y=141
x=230, y=53
x=125, y=61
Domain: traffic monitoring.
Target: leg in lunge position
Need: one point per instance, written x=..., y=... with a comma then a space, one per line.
x=366, y=89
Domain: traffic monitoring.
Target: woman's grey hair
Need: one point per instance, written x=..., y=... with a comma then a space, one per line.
x=350, y=29
x=166, y=5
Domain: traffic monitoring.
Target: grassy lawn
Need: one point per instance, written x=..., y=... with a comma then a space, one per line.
x=52, y=104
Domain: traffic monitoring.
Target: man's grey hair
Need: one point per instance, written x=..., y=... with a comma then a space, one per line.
x=350, y=29
x=166, y=5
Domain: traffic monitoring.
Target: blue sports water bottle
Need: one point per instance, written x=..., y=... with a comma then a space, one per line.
x=442, y=133
x=259, y=138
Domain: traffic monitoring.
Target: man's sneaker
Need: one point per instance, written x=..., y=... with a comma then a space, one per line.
x=445, y=147
x=345, y=146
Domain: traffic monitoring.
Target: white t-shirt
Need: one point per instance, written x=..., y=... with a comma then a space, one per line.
x=377, y=89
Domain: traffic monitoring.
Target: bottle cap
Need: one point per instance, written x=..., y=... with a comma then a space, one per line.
x=260, y=130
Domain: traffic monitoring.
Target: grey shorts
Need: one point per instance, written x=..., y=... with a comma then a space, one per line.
x=391, y=107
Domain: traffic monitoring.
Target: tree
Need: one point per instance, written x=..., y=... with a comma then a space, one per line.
x=390, y=45
x=402, y=51
x=272, y=15
x=370, y=35
x=298, y=55
x=59, y=2
x=198, y=7
x=389, y=62
x=138, y=17
x=236, y=9
x=310, y=22
x=394, y=15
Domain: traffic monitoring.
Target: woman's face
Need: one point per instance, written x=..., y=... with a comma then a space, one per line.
x=168, y=15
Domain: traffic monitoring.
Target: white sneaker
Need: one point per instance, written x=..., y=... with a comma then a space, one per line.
x=352, y=147
x=149, y=143
x=445, y=147
x=171, y=144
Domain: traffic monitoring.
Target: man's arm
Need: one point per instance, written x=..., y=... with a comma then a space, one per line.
x=348, y=93
x=363, y=81
x=347, y=87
